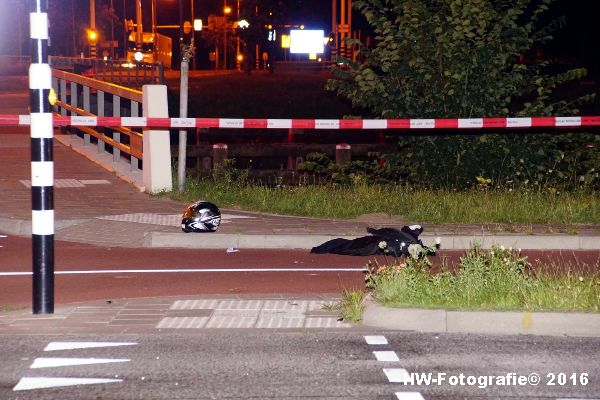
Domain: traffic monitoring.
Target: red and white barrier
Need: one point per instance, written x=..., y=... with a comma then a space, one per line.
x=333, y=124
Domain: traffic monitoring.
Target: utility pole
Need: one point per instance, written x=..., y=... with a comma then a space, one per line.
x=237, y=54
x=93, y=35
x=187, y=52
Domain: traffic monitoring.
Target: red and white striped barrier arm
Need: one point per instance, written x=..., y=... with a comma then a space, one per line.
x=252, y=123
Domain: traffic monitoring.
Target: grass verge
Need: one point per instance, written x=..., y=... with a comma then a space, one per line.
x=423, y=205
x=498, y=279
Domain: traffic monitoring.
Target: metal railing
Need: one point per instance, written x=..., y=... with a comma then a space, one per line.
x=83, y=96
x=120, y=72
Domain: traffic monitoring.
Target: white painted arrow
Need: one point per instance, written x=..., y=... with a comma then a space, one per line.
x=52, y=346
x=43, y=382
x=49, y=362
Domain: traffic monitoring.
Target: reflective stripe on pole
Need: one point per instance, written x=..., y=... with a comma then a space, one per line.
x=42, y=167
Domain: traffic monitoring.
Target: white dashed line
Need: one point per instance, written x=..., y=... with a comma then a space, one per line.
x=389, y=356
x=374, y=340
x=409, y=396
x=84, y=345
x=45, y=382
x=396, y=375
x=51, y=362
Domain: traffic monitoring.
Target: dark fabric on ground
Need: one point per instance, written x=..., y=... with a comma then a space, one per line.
x=397, y=242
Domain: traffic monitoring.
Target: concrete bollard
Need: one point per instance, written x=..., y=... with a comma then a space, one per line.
x=291, y=163
x=206, y=166
x=343, y=154
x=219, y=155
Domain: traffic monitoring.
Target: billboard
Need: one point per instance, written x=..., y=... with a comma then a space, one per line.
x=304, y=41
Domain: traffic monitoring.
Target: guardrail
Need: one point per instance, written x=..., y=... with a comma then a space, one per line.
x=120, y=72
x=87, y=99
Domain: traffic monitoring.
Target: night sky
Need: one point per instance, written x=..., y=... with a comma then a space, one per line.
x=576, y=43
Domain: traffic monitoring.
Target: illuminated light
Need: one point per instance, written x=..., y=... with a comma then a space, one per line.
x=187, y=29
x=240, y=57
x=285, y=41
x=243, y=24
x=92, y=35
x=227, y=10
x=270, y=27
x=197, y=24
x=301, y=26
x=138, y=56
x=306, y=41
x=105, y=58
x=312, y=56
x=52, y=98
x=319, y=59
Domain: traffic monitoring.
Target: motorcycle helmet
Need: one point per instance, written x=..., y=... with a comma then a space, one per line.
x=202, y=216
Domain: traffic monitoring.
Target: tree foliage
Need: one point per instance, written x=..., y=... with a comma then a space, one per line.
x=458, y=58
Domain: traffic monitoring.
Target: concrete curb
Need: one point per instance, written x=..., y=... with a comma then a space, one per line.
x=223, y=241
x=308, y=241
x=481, y=322
x=22, y=227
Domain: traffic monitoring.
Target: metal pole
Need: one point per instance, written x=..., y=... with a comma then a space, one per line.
x=187, y=52
x=42, y=166
x=224, y=35
x=193, y=60
x=93, y=27
x=237, y=54
x=112, y=31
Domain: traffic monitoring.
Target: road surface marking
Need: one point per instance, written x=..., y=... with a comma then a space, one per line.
x=53, y=346
x=390, y=356
x=51, y=362
x=396, y=375
x=183, y=270
x=44, y=382
x=94, y=181
x=409, y=396
x=376, y=339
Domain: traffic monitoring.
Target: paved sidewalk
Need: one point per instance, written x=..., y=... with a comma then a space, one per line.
x=185, y=314
x=194, y=314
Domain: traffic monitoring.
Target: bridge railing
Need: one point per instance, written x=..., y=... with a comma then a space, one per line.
x=83, y=97
x=120, y=72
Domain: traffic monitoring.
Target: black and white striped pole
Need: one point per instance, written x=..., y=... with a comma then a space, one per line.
x=42, y=166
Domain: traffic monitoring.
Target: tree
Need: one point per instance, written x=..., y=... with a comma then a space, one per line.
x=468, y=58
x=458, y=58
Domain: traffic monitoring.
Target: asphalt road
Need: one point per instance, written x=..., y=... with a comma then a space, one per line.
x=300, y=365
x=87, y=282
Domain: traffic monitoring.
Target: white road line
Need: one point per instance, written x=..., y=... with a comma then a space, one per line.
x=184, y=270
x=45, y=382
x=376, y=339
x=51, y=362
x=53, y=346
x=409, y=396
x=390, y=356
x=396, y=375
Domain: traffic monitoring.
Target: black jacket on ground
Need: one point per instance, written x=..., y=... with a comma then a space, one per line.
x=397, y=242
